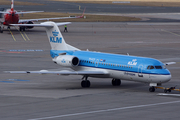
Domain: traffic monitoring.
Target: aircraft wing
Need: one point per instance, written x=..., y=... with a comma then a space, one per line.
x=28, y=12
x=63, y=72
x=41, y=25
x=4, y=12
x=47, y=19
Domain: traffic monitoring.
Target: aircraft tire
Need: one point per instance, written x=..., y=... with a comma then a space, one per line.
x=1, y=30
x=116, y=82
x=152, y=89
x=85, y=84
x=23, y=28
x=20, y=28
x=165, y=91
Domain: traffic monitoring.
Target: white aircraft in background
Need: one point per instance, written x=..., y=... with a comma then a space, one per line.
x=11, y=16
x=100, y=65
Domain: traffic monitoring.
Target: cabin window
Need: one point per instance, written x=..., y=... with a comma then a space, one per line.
x=158, y=67
x=150, y=67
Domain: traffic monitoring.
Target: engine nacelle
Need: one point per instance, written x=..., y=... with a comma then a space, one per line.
x=29, y=27
x=67, y=60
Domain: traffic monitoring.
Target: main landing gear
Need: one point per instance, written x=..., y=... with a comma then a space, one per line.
x=85, y=83
x=116, y=82
x=21, y=28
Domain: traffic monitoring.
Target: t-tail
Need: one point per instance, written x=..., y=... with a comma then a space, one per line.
x=55, y=37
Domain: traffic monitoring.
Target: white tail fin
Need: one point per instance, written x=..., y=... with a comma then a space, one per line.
x=12, y=5
x=55, y=37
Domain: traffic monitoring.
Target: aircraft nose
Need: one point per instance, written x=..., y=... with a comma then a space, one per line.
x=166, y=78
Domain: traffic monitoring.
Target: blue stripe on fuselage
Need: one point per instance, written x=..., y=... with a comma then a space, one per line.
x=115, y=61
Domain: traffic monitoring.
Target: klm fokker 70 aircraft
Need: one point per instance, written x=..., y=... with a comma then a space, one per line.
x=100, y=65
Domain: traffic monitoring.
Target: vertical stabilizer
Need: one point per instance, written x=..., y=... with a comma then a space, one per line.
x=12, y=5
x=55, y=37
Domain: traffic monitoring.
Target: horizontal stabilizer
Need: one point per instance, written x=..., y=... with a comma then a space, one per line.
x=63, y=72
x=169, y=63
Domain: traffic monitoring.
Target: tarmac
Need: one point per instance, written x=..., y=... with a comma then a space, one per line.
x=54, y=97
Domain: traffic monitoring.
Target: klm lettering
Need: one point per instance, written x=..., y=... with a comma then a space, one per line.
x=56, y=39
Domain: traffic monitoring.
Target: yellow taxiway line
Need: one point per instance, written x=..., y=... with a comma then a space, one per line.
x=26, y=36
x=22, y=35
x=12, y=35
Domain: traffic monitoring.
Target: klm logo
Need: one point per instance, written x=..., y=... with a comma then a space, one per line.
x=63, y=61
x=55, y=38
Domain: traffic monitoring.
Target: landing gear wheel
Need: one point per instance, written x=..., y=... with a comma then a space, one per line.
x=165, y=91
x=8, y=27
x=116, y=82
x=152, y=89
x=23, y=28
x=1, y=30
x=85, y=83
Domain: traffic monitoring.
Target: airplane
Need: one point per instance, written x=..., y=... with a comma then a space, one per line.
x=100, y=65
x=11, y=16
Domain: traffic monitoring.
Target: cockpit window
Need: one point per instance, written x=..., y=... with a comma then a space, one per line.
x=150, y=67
x=158, y=67
x=164, y=67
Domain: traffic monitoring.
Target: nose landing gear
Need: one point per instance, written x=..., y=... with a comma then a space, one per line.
x=152, y=89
